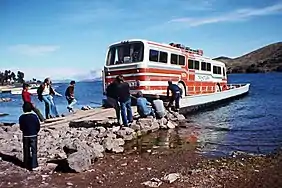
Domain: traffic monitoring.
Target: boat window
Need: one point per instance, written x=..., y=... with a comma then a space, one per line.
x=216, y=70
x=129, y=52
x=203, y=66
x=196, y=65
x=173, y=59
x=223, y=71
x=154, y=55
x=208, y=67
x=163, y=57
x=190, y=64
x=177, y=59
x=181, y=60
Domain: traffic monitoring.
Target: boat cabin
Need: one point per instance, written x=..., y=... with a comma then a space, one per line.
x=148, y=66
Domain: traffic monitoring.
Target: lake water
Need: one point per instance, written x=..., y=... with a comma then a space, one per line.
x=251, y=124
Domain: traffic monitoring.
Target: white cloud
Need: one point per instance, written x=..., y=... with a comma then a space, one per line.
x=33, y=50
x=237, y=15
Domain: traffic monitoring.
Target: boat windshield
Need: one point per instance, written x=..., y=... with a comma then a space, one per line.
x=130, y=52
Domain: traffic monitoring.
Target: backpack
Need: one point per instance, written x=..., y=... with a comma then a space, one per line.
x=39, y=93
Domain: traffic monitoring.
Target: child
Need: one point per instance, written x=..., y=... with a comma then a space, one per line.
x=27, y=99
x=70, y=96
x=30, y=126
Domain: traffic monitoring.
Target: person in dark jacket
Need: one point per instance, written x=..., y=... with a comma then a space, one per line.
x=30, y=126
x=124, y=99
x=26, y=96
x=176, y=94
x=45, y=94
x=69, y=94
x=112, y=98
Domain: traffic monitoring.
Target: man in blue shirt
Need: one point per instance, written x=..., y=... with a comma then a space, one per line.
x=143, y=106
x=176, y=94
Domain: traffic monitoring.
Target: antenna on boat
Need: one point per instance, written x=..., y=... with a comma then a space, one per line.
x=187, y=49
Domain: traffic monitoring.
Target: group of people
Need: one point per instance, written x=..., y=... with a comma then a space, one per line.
x=45, y=94
x=118, y=97
x=29, y=122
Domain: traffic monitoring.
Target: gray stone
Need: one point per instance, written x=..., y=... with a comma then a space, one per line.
x=170, y=178
x=155, y=126
x=128, y=130
x=154, y=182
x=128, y=137
x=93, y=133
x=180, y=117
x=170, y=125
x=135, y=127
x=111, y=135
x=111, y=144
x=145, y=122
x=108, y=143
x=120, y=141
x=76, y=146
x=79, y=161
x=118, y=149
x=101, y=129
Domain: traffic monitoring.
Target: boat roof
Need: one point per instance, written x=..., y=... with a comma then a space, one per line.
x=202, y=57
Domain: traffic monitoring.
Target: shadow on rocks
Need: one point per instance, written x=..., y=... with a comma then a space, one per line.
x=12, y=159
x=62, y=166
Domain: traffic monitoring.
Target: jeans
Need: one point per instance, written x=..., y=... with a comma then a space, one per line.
x=126, y=112
x=71, y=102
x=175, y=97
x=115, y=104
x=30, y=152
x=48, y=100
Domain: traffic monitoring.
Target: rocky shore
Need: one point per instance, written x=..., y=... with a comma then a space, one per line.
x=90, y=153
x=81, y=143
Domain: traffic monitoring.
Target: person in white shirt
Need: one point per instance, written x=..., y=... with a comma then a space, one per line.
x=45, y=92
x=158, y=105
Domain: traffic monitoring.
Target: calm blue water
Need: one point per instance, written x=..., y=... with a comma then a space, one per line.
x=87, y=93
x=252, y=124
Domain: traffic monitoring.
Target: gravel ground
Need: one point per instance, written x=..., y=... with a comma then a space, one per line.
x=132, y=169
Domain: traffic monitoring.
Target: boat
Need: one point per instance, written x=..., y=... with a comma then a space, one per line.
x=18, y=91
x=148, y=66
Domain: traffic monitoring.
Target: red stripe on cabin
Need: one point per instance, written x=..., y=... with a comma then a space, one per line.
x=144, y=70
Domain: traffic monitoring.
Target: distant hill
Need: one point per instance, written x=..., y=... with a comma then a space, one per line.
x=265, y=59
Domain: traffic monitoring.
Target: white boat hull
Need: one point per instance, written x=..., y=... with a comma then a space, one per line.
x=19, y=92
x=191, y=103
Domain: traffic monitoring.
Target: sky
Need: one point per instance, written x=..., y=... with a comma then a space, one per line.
x=68, y=39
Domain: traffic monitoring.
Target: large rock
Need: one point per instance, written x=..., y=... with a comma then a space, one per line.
x=79, y=161
x=76, y=145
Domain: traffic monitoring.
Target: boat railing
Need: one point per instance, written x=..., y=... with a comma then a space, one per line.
x=233, y=86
